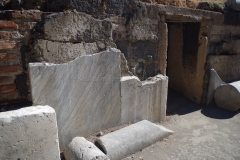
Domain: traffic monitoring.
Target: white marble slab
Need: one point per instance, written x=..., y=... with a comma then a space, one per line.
x=84, y=92
x=144, y=100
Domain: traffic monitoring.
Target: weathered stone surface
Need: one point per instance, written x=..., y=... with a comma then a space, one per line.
x=186, y=13
x=126, y=141
x=29, y=133
x=143, y=100
x=81, y=149
x=58, y=52
x=22, y=4
x=211, y=6
x=4, y=2
x=88, y=6
x=76, y=27
x=85, y=93
x=225, y=40
x=227, y=67
x=114, y=6
x=233, y=5
x=141, y=57
x=214, y=82
x=227, y=96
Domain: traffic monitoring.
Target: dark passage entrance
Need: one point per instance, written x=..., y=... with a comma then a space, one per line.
x=182, y=58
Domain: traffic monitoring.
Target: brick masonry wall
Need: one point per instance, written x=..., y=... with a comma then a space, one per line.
x=15, y=39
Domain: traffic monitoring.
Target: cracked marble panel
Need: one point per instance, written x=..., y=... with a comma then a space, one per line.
x=84, y=92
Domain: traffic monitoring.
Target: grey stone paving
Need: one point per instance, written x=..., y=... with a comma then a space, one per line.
x=201, y=132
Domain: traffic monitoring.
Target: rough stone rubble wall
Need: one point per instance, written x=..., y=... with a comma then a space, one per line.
x=224, y=52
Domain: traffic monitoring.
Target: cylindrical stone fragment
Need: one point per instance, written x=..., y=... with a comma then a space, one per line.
x=227, y=96
x=126, y=141
x=81, y=149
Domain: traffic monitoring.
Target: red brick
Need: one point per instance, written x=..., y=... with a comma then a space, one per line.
x=4, y=57
x=7, y=88
x=29, y=15
x=10, y=69
x=4, y=35
x=8, y=45
x=8, y=24
x=8, y=96
x=6, y=80
x=12, y=101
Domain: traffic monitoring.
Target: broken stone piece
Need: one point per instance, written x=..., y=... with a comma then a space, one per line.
x=81, y=149
x=214, y=82
x=29, y=133
x=143, y=100
x=227, y=96
x=126, y=141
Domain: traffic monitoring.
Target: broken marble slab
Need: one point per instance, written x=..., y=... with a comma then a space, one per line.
x=143, y=100
x=131, y=139
x=227, y=96
x=82, y=149
x=29, y=133
x=214, y=82
x=84, y=92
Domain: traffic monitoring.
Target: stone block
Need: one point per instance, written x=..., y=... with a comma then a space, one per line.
x=114, y=6
x=84, y=92
x=58, y=52
x=29, y=133
x=88, y=6
x=76, y=27
x=227, y=66
x=81, y=149
x=214, y=82
x=232, y=5
x=227, y=96
x=129, y=140
x=143, y=100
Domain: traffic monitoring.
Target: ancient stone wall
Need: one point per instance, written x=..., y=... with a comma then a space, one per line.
x=138, y=29
x=15, y=36
x=223, y=52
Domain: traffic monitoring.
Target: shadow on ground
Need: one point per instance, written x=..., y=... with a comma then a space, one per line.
x=178, y=104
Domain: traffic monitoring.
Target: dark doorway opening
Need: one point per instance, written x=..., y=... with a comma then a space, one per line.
x=182, y=57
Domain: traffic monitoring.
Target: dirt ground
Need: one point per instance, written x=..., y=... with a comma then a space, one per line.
x=200, y=133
